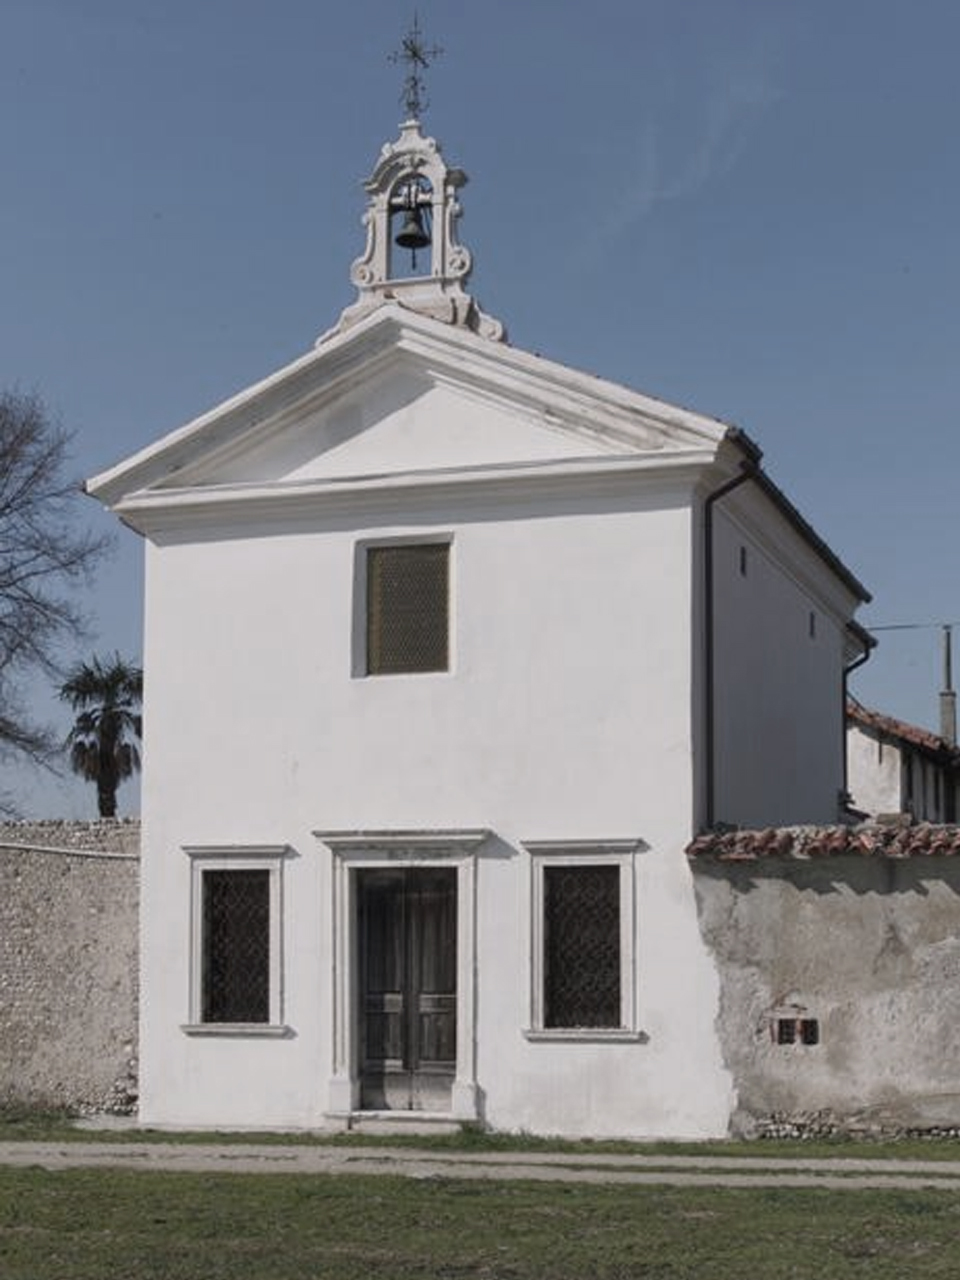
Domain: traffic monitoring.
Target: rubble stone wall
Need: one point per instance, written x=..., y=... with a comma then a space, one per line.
x=68, y=964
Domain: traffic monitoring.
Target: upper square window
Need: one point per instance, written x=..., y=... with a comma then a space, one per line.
x=408, y=608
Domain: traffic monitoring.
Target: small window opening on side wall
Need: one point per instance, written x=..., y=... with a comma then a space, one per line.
x=812, y=625
x=798, y=1031
x=743, y=562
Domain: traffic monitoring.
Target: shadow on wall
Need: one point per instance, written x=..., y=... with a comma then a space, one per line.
x=844, y=874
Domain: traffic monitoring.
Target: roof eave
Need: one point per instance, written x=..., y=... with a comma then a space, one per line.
x=752, y=454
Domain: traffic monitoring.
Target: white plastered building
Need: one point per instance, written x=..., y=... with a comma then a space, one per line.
x=450, y=651
x=900, y=769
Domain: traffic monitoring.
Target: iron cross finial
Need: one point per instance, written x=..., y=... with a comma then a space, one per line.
x=415, y=53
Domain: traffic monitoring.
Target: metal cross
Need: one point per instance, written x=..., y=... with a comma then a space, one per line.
x=418, y=57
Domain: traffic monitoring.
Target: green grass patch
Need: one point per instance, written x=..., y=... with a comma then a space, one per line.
x=35, y=1124
x=87, y=1224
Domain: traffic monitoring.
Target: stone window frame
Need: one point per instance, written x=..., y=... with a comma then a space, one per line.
x=579, y=853
x=235, y=857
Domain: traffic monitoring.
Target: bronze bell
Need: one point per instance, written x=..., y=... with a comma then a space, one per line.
x=413, y=234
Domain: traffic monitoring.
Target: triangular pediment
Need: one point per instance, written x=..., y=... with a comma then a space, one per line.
x=399, y=421
x=401, y=394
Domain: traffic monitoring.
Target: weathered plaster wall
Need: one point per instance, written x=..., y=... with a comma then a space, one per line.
x=867, y=946
x=874, y=773
x=68, y=963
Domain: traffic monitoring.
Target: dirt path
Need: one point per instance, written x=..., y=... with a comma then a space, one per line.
x=665, y=1170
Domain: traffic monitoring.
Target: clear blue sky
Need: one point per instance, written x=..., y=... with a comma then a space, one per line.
x=748, y=208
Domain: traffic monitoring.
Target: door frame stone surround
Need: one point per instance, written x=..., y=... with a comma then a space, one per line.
x=356, y=850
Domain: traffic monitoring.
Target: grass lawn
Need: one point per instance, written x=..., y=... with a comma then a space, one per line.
x=88, y=1224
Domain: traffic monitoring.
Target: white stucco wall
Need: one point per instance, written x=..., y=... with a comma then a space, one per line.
x=565, y=715
x=874, y=773
x=778, y=664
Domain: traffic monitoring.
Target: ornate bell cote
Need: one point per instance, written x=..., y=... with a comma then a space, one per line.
x=412, y=256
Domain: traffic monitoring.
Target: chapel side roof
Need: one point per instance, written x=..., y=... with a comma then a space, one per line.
x=932, y=744
x=753, y=454
x=868, y=840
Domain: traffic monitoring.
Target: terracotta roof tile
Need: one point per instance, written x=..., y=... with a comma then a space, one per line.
x=923, y=739
x=870, y=839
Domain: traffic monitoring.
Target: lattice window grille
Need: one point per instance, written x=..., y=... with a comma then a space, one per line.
x=582, y=961
x=235, y=974
x=408, y=608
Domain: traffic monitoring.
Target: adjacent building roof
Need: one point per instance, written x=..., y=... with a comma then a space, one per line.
x=869, y=839
x=889, y=727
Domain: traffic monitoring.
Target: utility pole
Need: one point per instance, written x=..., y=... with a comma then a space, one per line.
x=948, y=698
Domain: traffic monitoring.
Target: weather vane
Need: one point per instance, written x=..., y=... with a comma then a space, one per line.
x=418, y=57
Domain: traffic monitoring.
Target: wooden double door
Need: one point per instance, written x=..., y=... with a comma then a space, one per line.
x=407, y=934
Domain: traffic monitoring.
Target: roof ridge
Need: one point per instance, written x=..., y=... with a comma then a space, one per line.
x=898, y=839
x=926, y=739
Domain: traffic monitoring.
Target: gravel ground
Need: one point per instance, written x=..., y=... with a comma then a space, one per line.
x=664, y=1170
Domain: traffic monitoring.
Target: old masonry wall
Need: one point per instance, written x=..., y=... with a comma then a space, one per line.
x=68, y=964
x=839, y=995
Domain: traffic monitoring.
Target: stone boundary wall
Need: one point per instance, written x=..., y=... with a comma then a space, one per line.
x=839, y=991
x=68, y=964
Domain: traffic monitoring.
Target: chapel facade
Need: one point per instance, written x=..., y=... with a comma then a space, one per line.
x=471, y=645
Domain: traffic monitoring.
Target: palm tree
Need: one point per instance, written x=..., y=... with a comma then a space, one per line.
x=107, y=694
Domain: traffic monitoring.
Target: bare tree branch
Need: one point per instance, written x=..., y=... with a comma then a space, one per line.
x=45, y=555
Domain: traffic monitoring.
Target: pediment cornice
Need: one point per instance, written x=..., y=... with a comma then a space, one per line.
x=576, y=482
x=604, y=416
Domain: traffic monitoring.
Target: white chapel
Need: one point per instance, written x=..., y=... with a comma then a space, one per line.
x=471, y=646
